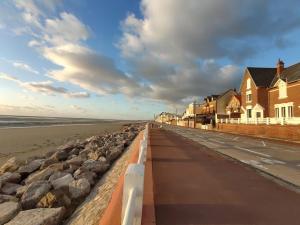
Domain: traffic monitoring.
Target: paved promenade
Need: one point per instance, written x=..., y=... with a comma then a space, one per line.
x=195, y=185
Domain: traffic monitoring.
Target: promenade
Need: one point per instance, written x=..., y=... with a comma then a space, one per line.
x=193, y=184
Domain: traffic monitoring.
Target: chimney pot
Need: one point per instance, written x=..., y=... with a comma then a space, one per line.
x=280, y=67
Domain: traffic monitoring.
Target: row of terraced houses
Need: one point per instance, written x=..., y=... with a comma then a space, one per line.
x=267, y=96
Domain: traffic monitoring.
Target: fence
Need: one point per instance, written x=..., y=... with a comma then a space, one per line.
x=267, y=121
x=133, y=190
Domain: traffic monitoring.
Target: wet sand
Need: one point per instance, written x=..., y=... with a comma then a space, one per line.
x=34, y=141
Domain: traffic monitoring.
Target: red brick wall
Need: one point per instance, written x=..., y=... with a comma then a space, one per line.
x=287, y=132
x=262, y=99
x=293, y=93
x=244, y=89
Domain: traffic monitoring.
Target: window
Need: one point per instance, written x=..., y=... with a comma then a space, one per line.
x=282, y=111
x=248, y=83
x=277, y=112
x=258, y=114
x=290, y=111
x=282, y=89
x=248, y=97
x=249, y=113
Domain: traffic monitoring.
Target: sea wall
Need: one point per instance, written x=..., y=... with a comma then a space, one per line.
x=47, y=190
x=286, y=132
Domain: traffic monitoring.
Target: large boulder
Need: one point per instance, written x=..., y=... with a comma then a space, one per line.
x=57, y=175
x=7, y=211
x=54, y=199
x=62, y=182
x=95, y=166
x=10, y=188
x=90, y=176
x=40, y=216
x=49, y=162
x=60, y=155
x=11, y=165
x=77, y=161
x=9, y=177
x=34, y=193
x=7, y=198
x=40, y=175
x=31, y=167
x=79, y=188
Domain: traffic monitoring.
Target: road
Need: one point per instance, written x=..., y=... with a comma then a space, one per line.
x=194, y=185
x=281, y=160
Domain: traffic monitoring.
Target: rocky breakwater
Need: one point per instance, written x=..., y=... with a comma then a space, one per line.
x=46, y=190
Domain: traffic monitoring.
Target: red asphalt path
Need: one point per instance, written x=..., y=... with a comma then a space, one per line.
x=195, y=185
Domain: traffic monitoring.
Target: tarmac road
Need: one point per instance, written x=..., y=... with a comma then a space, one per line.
x=281, y=160
x=194, y=185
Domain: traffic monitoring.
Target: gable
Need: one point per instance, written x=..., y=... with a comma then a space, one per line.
x=245, y=78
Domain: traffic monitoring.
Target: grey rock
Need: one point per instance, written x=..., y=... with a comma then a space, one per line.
x=10, y=188
x=34, y=193
x=114, y=153
x=60, y=155
x=62, y=182
x=7, y=198
x=39, y=216
x=31, y=167
x=57, y=175
x=90, y=176
x=7, y=211
x=20, y=191
x=75, y=161
x=95, y=166
x=74, y=151
x=79, y=188
x=40, y=175
x=49, y=162
x=10, y=177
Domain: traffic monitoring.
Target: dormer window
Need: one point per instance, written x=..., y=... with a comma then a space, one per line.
x=282, y=89
x=248, y=83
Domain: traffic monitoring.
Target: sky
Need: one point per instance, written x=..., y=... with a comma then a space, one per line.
x=118, y=59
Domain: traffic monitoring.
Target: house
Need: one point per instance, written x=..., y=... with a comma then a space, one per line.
x=191, y=114
x=254, y=92
x=284, y=92
x=233, y=109
x=222, y=101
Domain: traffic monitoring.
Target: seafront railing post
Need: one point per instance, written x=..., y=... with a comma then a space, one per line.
x=133, y=189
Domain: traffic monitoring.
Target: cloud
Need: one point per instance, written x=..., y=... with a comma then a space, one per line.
x=24, y=66
x=45, y=87
x=177, y=46
x=78, y=108
x=60, y=40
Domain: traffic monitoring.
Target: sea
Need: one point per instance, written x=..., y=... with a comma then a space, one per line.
x=7, y=121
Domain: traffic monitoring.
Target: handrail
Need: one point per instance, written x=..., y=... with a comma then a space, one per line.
x=134, y=186
x=130, y=206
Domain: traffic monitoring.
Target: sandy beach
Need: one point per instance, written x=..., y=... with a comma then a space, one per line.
x=33, y=141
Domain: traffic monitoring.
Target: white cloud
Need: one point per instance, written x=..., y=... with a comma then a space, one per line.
x=24, y=66
x=78, y=108
x=44, y=87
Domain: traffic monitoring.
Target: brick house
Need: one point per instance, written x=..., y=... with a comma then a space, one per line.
x=254, y=92
x=233, y=109
x=284, y=92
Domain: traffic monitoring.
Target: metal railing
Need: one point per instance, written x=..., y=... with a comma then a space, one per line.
x=267, y=121
x=133, y=190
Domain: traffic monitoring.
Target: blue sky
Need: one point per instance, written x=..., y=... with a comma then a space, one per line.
x=132, y=59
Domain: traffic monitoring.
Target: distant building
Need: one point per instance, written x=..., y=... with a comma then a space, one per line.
x=233, y=109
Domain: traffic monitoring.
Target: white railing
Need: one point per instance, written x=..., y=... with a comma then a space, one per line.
x=267, y=121
x=133, y=190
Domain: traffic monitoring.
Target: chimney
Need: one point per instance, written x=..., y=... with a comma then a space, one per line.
x=280, y=67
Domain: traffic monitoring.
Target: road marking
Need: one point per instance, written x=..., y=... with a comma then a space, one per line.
x=271, y=161
x=263, y=143
x=248, y=150
x=220, y=142
x=235, y=138
x=254, y=163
